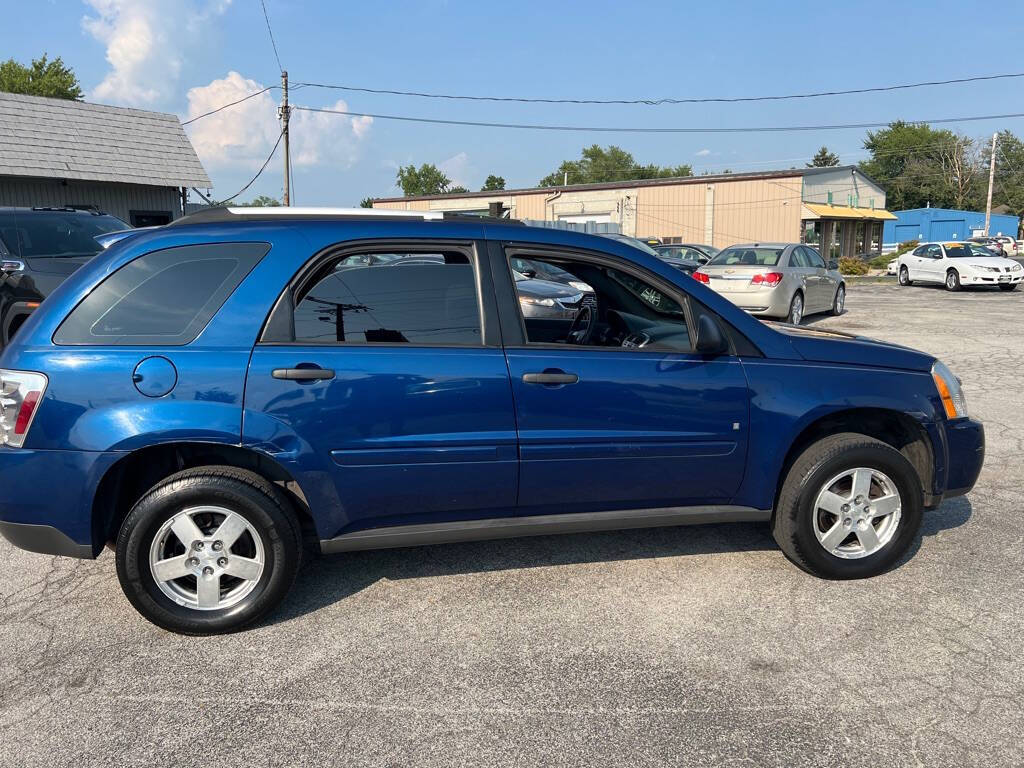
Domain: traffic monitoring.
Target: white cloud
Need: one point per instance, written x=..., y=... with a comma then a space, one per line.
x=458, y=168
x=702, y=152
x=243, y=135
x=147, y=42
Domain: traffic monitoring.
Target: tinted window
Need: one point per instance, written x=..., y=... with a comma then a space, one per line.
x=797, y=258
x=741, y=256
x=814, y=257
x=417, y=298
x=921, y=250
x=29, y=234
x=163, y=298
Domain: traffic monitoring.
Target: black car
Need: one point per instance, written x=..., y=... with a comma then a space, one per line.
x=39, y=248
x=685, y=256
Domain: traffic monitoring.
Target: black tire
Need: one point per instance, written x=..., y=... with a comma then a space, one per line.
x=793, y=309
x=904, y=277
x=952, y=280
x=839, y=304
x=257, y=500
x=1012, y=287
x=792, y=523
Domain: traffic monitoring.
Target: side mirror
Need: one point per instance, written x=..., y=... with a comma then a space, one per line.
x=833, y=265
x=710, y=339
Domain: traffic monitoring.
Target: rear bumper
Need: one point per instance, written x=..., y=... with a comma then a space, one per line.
x=46, y=499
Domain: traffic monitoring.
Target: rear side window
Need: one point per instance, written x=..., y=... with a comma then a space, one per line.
x=412, y=298
x=162, y=298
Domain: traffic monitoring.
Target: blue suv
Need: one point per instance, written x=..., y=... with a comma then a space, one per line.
x=214, y=397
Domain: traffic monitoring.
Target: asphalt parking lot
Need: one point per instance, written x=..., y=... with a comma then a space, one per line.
x=682, y=646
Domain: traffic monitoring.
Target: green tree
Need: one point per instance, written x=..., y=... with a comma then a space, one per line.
x=918, y=165
x=493, y=183
x=824, y=159
x=598, y=164
x=456, y=190
x=366, y=202
x=42, y=78
x=261, y=201
x=428, y=179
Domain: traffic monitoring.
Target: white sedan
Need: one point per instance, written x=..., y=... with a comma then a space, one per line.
x=957, y=265
x=893, y=267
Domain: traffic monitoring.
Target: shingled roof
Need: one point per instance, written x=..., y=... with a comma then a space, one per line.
x=62, y=139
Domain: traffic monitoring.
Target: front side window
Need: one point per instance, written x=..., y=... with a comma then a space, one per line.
x=166, y=297
x=398, y=298
x=935, y=251
x=617, y=309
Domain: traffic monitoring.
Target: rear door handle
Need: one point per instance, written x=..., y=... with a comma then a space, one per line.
x=302, y=374
x=550, y=378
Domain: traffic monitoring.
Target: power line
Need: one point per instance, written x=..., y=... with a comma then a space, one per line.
x=633, y=129
x=260, y=171
x=657, y=102
x=233, y=103
x=271, y=33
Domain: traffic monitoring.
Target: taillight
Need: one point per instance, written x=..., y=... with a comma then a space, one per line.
x=767, y=279
x=20, y=395
x=700, y=277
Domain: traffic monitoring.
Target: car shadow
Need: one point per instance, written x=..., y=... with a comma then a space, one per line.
x=325, y=580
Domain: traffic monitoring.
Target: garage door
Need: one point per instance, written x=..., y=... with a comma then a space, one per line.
x=948, y=229
x=583, y=218
x=905, y=232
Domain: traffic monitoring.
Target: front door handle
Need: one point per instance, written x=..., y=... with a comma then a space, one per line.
x=550, y=378
x=302, y=374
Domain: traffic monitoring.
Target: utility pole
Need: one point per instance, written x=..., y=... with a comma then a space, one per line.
x=991, y=180
x=283, y=114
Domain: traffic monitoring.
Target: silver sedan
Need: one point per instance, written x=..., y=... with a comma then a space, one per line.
x=784, y=280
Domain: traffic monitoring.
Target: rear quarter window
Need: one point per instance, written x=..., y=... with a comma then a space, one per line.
x=166, y=297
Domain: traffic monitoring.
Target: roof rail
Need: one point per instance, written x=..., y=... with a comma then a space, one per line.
x=269, y=213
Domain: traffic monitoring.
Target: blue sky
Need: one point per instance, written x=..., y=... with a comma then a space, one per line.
x=186, y=56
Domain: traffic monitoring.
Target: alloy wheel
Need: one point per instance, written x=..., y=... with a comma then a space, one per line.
x=856, y=513
x=207, y=558
x=840, y=300
x=796, y=309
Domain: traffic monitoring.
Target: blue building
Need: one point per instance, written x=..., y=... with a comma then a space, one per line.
x=930, y=224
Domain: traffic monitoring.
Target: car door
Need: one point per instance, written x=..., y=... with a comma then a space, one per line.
x=932, y=265
x=824, y=283
x=384, y=381
x=915, y=262
x=623, y=427
x=800, y=266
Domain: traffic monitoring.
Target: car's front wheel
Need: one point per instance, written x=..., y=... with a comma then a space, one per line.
x=839, y=302
x=904, y=278
x=796, y=309
x=952, y=280
x=208, y=550
x=849, y=508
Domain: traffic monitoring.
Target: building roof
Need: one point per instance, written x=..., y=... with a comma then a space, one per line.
x=63, y=139
x=673, y=180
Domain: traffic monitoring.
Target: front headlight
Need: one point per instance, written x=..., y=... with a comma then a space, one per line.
x=536, y=302
x=579, y=285
x=951, y=393
x=982, y=267
x=1016, y=267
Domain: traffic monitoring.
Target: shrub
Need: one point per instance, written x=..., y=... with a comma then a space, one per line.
x=881, y=261
x=852, y=266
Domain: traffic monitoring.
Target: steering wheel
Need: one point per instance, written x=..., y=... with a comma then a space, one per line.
x=582, y=328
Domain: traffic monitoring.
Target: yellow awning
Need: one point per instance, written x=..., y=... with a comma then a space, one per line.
x=825, y=211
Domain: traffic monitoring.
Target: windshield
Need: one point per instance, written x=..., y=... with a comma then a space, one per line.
x=34, y=234
x=743, y=256
x=963, y=250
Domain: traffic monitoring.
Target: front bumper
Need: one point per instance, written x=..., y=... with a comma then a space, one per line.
x=46, y=499
x=965, y=449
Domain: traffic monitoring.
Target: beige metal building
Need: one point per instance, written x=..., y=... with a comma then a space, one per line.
x=839, y=210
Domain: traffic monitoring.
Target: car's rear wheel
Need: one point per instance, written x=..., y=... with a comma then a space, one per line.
x=208, y=550
x=904, y=278
x=796, y=309
x=952, y=280
x=1012, y=287
x=849, y=508
x=839, y=302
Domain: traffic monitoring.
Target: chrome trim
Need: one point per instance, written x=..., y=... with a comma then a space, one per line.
x=537, y=525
